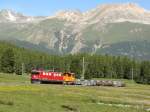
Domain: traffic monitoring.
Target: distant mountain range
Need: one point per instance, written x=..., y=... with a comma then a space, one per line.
x=116, y=29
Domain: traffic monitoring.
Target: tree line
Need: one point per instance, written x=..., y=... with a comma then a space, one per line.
x=19, y=60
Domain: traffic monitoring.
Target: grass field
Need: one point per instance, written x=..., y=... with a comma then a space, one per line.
x=18, y=95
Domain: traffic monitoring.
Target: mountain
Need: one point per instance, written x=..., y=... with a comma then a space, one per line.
x=102, y=29
x=14, y=17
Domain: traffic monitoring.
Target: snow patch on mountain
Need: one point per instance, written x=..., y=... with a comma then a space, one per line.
x=14, y=17
x=11, y=17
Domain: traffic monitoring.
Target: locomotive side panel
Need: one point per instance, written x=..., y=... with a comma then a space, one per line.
x=42, y=76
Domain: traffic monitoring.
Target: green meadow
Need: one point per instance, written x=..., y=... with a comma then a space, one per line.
x=18, y=95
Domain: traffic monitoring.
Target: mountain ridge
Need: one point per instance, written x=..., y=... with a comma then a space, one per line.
x=62, y=14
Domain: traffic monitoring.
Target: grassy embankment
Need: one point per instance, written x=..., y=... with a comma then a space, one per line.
x=18, y=95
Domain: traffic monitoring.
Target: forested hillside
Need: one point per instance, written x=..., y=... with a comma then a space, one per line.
x=20, y=60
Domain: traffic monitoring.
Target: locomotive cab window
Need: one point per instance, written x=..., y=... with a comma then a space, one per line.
x=35, y=73
x=69, y=75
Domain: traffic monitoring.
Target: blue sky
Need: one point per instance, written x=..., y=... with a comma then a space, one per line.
x=49, y=7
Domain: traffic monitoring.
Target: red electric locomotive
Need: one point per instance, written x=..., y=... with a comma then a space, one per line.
x=39, y=76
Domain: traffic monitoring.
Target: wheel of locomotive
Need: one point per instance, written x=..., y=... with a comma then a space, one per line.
x=36, y=82
x=64, y=83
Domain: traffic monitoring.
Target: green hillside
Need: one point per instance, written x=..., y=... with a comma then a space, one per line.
x=119, y=32
x=55, y=36
x=129, y=39
x=133, y=49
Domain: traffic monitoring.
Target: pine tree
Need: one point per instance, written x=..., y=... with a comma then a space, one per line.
x=76, y=67
x=7, y=61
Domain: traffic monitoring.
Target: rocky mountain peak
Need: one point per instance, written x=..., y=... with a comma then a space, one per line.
x=127, y=6
x=72, y=16
x=6, y=11
x=109, y=13
x=8, y=15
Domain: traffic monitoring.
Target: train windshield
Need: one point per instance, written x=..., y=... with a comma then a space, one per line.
x=35, y=73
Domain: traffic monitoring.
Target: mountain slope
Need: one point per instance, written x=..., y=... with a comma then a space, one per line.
x=74, y=31
x=138, y=49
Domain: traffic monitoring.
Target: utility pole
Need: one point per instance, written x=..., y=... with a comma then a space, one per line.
x=132, y=74
x=83, y=68
x=68, y=68
x=53, y=69
x=111, y=72
x=22, y=68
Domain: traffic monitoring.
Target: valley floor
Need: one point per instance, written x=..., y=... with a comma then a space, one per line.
x=18, y=95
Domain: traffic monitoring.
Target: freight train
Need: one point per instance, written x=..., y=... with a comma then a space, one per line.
x=42, y=76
